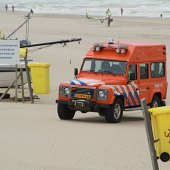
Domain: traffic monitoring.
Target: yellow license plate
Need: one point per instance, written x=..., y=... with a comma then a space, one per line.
x=83, y=96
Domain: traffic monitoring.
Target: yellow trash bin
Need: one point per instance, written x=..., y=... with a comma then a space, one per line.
x=40, y=77
x=160, y=119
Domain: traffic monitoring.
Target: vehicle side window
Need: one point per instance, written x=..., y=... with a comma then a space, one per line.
x=144, y=71
x=157, y=69
x=132, y=73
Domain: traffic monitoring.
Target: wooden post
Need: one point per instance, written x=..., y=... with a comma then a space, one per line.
x=16, y=83
x=22, y=85
x=29, y=80
x=149, y=134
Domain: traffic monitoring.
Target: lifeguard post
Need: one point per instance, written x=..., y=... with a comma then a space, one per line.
x=10, y=63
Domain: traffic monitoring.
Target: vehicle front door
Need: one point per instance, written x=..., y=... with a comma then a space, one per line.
x=132, y=86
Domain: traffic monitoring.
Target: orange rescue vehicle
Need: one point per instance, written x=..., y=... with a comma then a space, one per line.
x=114, y=77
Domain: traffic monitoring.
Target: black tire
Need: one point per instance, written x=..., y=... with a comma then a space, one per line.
x=64, y=112
x=115, y=112
x=164, y=157
x=156, y=102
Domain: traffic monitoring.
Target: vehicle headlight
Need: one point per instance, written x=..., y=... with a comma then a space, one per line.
x=102, y=94
x=67, y=90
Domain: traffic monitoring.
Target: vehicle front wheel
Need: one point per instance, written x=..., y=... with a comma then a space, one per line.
x=115, y=112
x=64, y=112
x=156, y=102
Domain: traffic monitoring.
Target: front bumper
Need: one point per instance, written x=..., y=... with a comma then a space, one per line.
x=83, y=105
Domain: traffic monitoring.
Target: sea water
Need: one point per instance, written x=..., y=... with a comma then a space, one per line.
x=148, y=8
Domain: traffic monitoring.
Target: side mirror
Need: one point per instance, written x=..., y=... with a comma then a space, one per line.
x=132, y=76
x=75, y=71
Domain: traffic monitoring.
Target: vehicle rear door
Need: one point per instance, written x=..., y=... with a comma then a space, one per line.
x=144, y=81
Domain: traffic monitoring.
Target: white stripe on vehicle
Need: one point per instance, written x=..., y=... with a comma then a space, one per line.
x=125, y=89
x=114, y=90
x=136, y=87
x=91, y=82
x=75, y=82
x=131, y=90
x=119, y=89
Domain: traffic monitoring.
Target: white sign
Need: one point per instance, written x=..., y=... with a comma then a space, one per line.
x=9, y=52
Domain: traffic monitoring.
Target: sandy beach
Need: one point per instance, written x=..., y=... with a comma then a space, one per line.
x=32, y=137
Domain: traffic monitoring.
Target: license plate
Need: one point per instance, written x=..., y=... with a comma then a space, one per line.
x=83, y=96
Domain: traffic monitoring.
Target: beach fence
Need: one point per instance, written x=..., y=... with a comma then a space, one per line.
x=13, y=70
x=157, y=123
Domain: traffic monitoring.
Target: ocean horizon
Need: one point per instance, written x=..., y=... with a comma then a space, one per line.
x=151, y=8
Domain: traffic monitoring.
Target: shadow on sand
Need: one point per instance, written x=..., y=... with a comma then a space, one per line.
x=98, y=119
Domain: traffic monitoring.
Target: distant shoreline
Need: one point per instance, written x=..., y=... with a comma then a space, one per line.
x=59, y=15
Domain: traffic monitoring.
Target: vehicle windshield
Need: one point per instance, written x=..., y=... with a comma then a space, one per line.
x=104, y=66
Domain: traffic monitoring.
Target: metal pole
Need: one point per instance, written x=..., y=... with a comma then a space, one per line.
x=27, y=27
x=53, y=42
x=18, y=27
x=149, y=134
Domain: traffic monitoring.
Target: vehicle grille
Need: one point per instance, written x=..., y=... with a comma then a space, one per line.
x=82, y=93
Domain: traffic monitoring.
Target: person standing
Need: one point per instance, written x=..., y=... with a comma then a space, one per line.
x=121, y=10
x=6, y=7
x=13, y=8
x=109, y=20
x=109, y=17
x=31, y=11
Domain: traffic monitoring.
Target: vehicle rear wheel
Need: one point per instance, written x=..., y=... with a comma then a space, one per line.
x=115, y=112
x=64, y=112
x=156, y=102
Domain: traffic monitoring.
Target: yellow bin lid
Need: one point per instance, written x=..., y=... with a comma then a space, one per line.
x=37, y=64
x=160, y=110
